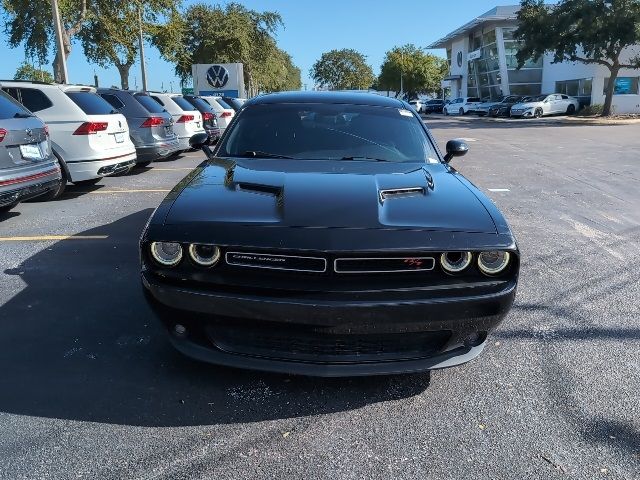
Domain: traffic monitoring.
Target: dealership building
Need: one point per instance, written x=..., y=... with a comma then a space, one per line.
x=482, y=59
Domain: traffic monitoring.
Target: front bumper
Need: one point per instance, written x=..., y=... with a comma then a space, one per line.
x=327, y=338
x=525, y=114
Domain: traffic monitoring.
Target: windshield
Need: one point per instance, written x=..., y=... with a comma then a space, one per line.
x=149, y=103
x=539, y=98
x=328, y=131
x=90, y=103
x=183, y=104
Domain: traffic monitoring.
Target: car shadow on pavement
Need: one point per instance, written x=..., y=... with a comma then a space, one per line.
x=79, y=343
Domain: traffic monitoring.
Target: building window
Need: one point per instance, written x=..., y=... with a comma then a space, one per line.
x=530, y=75
x=484, y=71
x=507, y=33
x=576, y=88
x=623, y=86
x=525, y=89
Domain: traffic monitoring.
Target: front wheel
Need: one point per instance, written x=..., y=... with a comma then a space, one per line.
x=446, y=112
x=461, y=111
x=571, y=109
x=538, y=113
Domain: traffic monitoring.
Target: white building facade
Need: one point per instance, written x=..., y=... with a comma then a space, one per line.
x=482, y=59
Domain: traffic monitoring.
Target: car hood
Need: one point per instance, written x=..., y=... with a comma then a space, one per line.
x=330, y=194
x=527, y=105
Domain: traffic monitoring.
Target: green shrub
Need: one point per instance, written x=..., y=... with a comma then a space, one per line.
x=591, y=110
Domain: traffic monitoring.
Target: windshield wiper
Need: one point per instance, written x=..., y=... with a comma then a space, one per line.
x=365, y=158
x=259, y=154
x=23, y=115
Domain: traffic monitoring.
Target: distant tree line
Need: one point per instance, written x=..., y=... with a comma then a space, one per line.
x=108, y=32
x=407, y=69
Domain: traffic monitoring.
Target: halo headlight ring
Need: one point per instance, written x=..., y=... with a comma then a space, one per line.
x=167, y=254
x=493, y=262
x=204, y=255
x=455, y=262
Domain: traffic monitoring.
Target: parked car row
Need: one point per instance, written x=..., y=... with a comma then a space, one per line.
x=510, y=106
x=54, y=134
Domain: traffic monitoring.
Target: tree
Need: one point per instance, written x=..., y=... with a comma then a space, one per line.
x=422, y=73
x=26, y=71
x=110, y=35
x=29, y=22
x=344, y=69
x=588, y=31
x=233, y=33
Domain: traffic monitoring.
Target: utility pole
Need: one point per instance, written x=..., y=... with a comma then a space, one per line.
x=57, y=27
x=401, y=72
x=141, y=42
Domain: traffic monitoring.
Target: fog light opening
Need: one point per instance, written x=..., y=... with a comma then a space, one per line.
x=475, y=339
x=180, y=330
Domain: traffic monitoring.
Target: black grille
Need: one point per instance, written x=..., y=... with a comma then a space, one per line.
x=321, y=347
x=384, y=265
x=276, y=262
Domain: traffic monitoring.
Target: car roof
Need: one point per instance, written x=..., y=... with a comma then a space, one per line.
x=357, y=98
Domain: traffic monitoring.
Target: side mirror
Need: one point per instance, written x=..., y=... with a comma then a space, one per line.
x=455, y=148
x=199, y=140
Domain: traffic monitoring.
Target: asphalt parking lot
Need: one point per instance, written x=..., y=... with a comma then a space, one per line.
x=90, y=387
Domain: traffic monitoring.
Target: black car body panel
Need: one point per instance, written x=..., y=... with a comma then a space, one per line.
x=329, y=267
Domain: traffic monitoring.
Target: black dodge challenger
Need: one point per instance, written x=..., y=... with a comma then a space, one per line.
x=327, y=235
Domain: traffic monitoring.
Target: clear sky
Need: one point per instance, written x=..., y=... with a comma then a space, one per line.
x=311, y=27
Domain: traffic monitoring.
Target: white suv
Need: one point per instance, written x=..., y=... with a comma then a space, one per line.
x=187, y=121
x=224, y=112
x=461, y=105
x=89, y=138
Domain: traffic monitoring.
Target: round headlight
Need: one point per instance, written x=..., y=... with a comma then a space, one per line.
x=204, y=255
x=455, y=262
x=492, y=263
x=166, y=253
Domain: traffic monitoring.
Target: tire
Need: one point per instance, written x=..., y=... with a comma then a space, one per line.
x=461, y=111
x=142, y=164
x=571, y=109
x=91, y=181
x=446, y=112
x=57, y=193
x=537, y=113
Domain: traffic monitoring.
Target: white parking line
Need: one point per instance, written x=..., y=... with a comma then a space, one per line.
x=498, y=189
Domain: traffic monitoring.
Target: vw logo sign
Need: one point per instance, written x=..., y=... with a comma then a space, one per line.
x=217, y=76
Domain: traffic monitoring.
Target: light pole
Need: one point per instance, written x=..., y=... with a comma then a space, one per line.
x=57, y=26
x=143, y=66
x=401, y=72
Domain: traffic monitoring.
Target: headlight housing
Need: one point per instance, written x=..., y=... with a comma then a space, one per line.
x=455, y=262
x=168, y=254
x=493, y=262
x=204, y=255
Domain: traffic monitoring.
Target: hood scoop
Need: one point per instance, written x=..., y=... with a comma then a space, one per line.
x=400, y=192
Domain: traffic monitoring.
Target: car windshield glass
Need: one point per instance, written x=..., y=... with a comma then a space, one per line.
x=9, y=108
x=539, y=98
x=329, y=131
x=90, y=103
x=434, y=102
x=223, y=104
x=149, y=103
x=183, y=104
x=201, y=104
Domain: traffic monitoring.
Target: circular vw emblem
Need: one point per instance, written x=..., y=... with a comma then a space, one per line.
x=217, y=76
